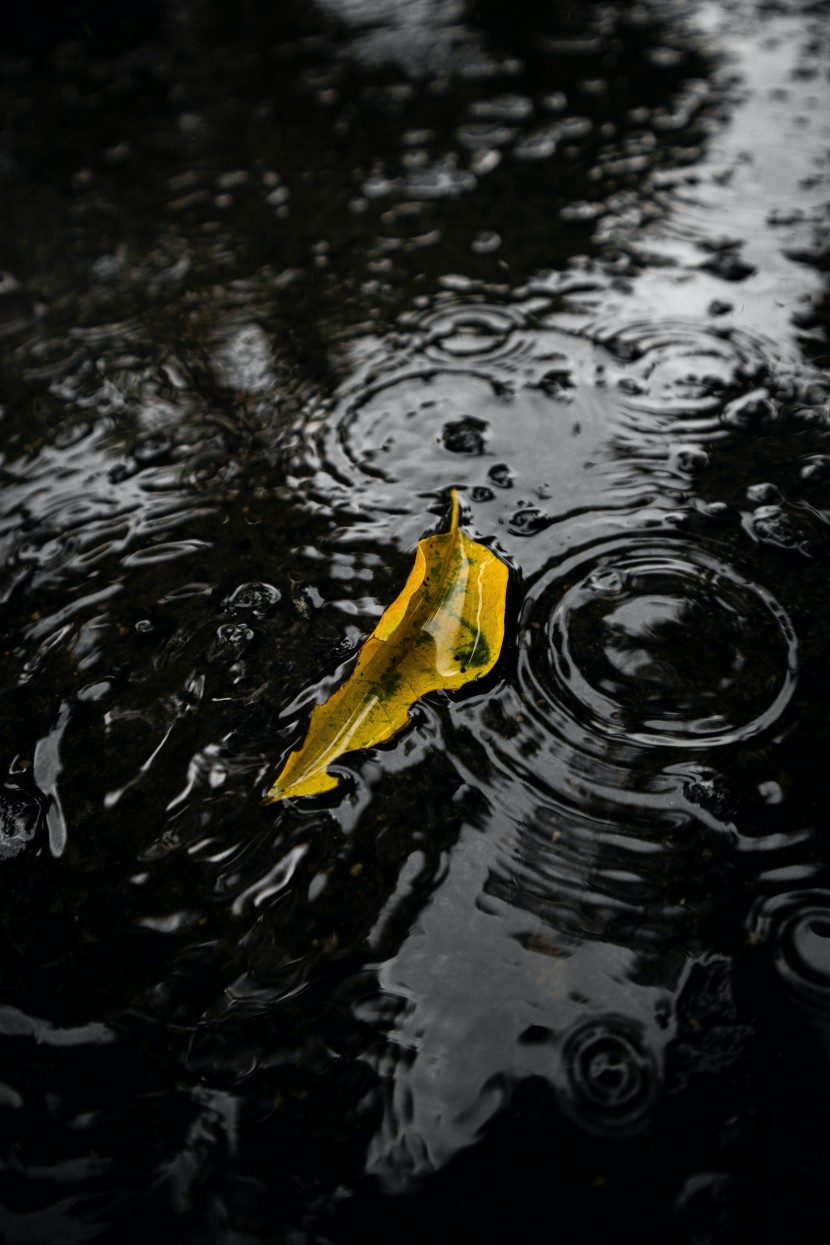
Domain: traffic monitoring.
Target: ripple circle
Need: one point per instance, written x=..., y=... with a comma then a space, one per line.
x=611, y=1076
x=416, y=432
x=798, y=926
x=681, y=367
x=472, y=332
x=659, y=647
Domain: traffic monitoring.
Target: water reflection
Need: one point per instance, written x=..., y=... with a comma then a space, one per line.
x=275, y=282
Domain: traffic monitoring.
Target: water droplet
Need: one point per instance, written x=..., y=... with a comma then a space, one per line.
x=771, y=792
x=501, y=476
x=556, y=382
x=772, y=525
x=256, y=597
x=235, y=635
x=753, y=412
x=528, y=521
x=465, y=436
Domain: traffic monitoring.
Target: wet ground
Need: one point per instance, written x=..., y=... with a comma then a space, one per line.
x=275, y=278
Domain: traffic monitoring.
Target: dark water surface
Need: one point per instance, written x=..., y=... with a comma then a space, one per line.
x=556, y=959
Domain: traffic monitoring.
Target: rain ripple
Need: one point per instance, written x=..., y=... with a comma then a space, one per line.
x=656, y=646
x=796, y=925
x=495, y=399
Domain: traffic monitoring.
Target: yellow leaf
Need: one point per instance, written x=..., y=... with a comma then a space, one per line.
x=445, y=629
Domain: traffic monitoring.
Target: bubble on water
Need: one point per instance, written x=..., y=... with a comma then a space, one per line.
x=657, y=647
x=611, y=1076
x=528, y=521
x=775, y=525
x=254, y=597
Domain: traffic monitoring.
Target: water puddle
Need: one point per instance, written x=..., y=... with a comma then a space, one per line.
x=273, y=284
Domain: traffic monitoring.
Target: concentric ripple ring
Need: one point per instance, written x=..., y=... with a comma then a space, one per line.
x=657, y=646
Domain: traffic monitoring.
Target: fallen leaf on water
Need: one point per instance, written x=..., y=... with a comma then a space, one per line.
x=445, y=629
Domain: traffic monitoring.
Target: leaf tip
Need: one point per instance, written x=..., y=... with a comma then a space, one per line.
x=456, y=511
x=315, y=783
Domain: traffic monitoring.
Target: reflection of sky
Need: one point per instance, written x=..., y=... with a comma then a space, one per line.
x=567, y=913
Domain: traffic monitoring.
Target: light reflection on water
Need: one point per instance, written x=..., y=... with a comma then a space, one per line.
x=284, y=284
